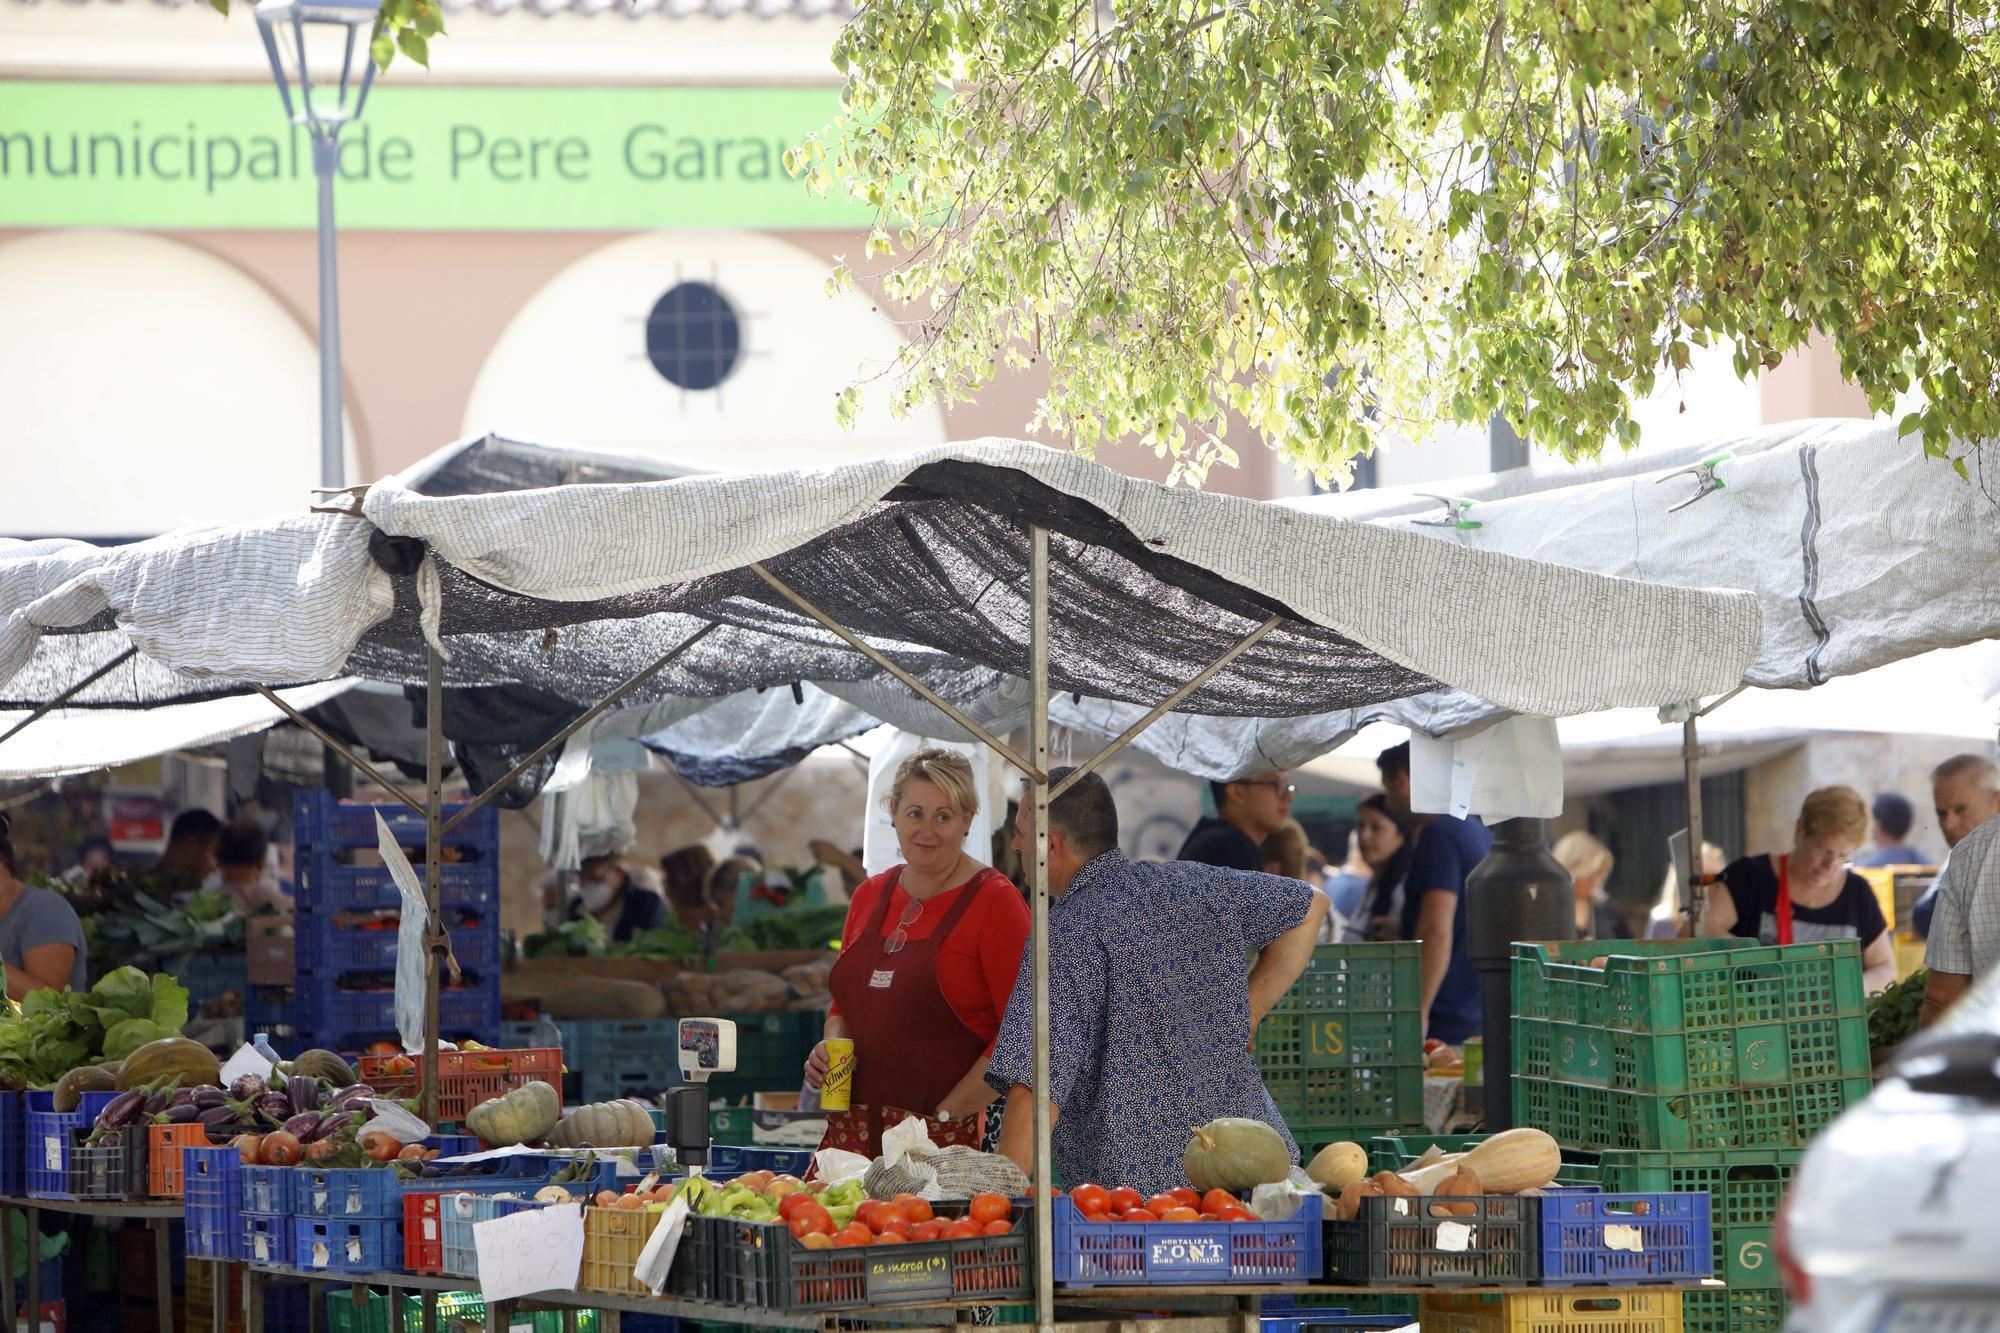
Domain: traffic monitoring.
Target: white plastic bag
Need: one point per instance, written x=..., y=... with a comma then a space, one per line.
x=1511, y=770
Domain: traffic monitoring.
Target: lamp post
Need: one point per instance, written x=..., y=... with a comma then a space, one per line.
x=314, y=46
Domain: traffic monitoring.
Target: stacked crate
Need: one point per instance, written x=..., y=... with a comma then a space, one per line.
x=1342, y=1052
x=1695, y=1065
x=343, y=991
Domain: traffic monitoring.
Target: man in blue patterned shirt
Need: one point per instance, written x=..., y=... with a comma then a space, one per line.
x=1151, y=1014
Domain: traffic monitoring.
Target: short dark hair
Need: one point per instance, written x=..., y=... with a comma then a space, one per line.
x=193, y=824
x=241, y=845
x=1085, y=814
x=7, y=856
x=1894, y=813
x=1220, y=792
x=1394, y=760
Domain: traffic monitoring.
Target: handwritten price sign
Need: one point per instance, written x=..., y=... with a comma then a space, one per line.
x=537, y=1250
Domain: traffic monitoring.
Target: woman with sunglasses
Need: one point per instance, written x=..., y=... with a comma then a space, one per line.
x=927, y=962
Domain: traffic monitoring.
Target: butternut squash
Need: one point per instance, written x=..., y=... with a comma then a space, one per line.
x=1338, y=1165
x=1507, y=1163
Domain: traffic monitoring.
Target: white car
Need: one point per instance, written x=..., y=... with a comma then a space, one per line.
x=1892, y=1224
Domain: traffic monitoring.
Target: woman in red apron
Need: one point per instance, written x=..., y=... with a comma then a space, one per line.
x=926, y=965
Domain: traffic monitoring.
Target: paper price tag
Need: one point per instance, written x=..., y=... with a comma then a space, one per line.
x=537, y=1250
x=52, y=1154
x=261, y=1246
x=1454, y=1237
x=1627, y=1238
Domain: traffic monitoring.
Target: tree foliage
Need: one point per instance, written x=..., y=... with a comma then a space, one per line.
x=401, y=25
x=1366, y=217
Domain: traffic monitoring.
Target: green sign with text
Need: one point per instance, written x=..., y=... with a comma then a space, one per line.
x=437, y=158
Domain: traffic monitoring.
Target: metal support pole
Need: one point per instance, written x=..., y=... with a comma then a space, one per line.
x=1695, y=882
x=435, y=940
x=332, y=454
x=632, y=683
x=326, y=738
x=1038, y=750
x=69, y=694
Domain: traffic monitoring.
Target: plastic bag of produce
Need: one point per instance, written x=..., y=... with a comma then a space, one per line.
x=963, y=1172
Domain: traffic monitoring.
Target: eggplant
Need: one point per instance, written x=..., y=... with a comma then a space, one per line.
x=123, y=1109
x=275, y=1107
x=158, y=1102
x=345, y=1099
x=181, y=1097
x=302, y=1125
x=219, y=1134
x=217, y=1115
x=329, y=1124
x=303, y=1089
x=204, y=1098
x=110, y=1138
x=248, y=1086
x=185, y=1114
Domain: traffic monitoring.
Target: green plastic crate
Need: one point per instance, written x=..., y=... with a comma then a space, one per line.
x=1654, y=986
x=1787, y=1115
x=771, y=1049
x=1313, y=1135
x=1743, y=1188
x=1745, y=1055
x=456, y=1310
x=1738, y=1310
x=729, y=1124
x=1393, y=1152
x=1344, y=1046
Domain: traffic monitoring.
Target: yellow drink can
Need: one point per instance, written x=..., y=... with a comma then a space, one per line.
x=838, y=1089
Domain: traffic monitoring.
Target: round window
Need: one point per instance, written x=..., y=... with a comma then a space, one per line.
x=693, y=337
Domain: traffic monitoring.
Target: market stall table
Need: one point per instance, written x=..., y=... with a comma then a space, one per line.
x=158, y=1217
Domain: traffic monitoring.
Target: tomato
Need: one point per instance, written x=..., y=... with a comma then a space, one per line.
x=815, y=1240
x=964, y=1228
x=915, y=1209
x=1138, y=1215
x=932, y=1230
x=1091, y=1200
x=999, y=1229
x=899, y=1229
x=1161, y=1204
x=1124, y=1199
x=1216, y=1200
x=1208, y=1217
x=810, y=1219
x=791, y=1203
x=892, y=1238
x=1236, y=1214
x=854, y=1233
x=989, y=1208
x=1180, y=1215
x=1185, y=1198
x=867, y=1213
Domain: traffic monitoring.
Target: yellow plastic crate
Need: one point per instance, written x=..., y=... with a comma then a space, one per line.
x=1597, y=1310
x=612, y=1240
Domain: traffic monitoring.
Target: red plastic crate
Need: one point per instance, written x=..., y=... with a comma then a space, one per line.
x=467, y=1078
x=166, y=1171
x=423, y=1234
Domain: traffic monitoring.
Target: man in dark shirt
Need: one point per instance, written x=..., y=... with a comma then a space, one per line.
x=1447, y=849
x=1247, y=811
x=1893, y=815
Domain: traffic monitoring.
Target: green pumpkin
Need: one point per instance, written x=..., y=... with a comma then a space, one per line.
x=1235, y=1155
x=525, y=1115
x=620, y=1124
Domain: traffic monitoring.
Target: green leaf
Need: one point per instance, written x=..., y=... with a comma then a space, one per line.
x=413, y=45
x=382, y=49
x=123, y=993
x=170, y=1003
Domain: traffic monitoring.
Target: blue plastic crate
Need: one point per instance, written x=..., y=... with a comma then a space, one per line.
x=321, y=1006
x=267, y=1239
x=347, y=1192
x=13, y=1133
x=1098, y=1254
x=517, y=1035
x=522, y=1174
x=45, y=1144
x=1623, y=1238
x=209, y=976
x=457, y=1215
x=608, y=1085
x=322, y=885
x=267, y=1190
x=341, y=1245
x=212, y=1197
x=725, y=1160
x=620, y=1041
x=320, y=819
x=453, y=1145
x=325, y=949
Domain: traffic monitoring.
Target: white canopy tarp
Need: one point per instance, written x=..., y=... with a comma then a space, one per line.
x=83, y=740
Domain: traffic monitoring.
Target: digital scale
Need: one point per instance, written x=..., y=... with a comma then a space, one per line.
x=707, y=1046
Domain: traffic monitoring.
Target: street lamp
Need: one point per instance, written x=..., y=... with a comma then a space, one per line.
x=314, y=47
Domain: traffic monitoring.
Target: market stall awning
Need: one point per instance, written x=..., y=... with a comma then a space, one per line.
x=84, y=740
x=573, y=589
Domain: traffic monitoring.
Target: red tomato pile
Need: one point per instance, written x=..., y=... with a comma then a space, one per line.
x=1098, y=1204
x=904, y=1219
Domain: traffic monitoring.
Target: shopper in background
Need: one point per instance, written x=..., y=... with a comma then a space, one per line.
x=1152, y=1017
x=41, y=940
x=1808, y=893
x=1284, y=852
x=242, y=854
x=1434, y=903
x=189, y=858
x=1589, y=864
x=1893, y=817
x=1247, y=811
x=927, y=960
x=731, y=882
x=1960, y=916
x=1666, y=921
x=688, y=873
x=606, y=891
x=1347, y=887
x=1386, y=843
